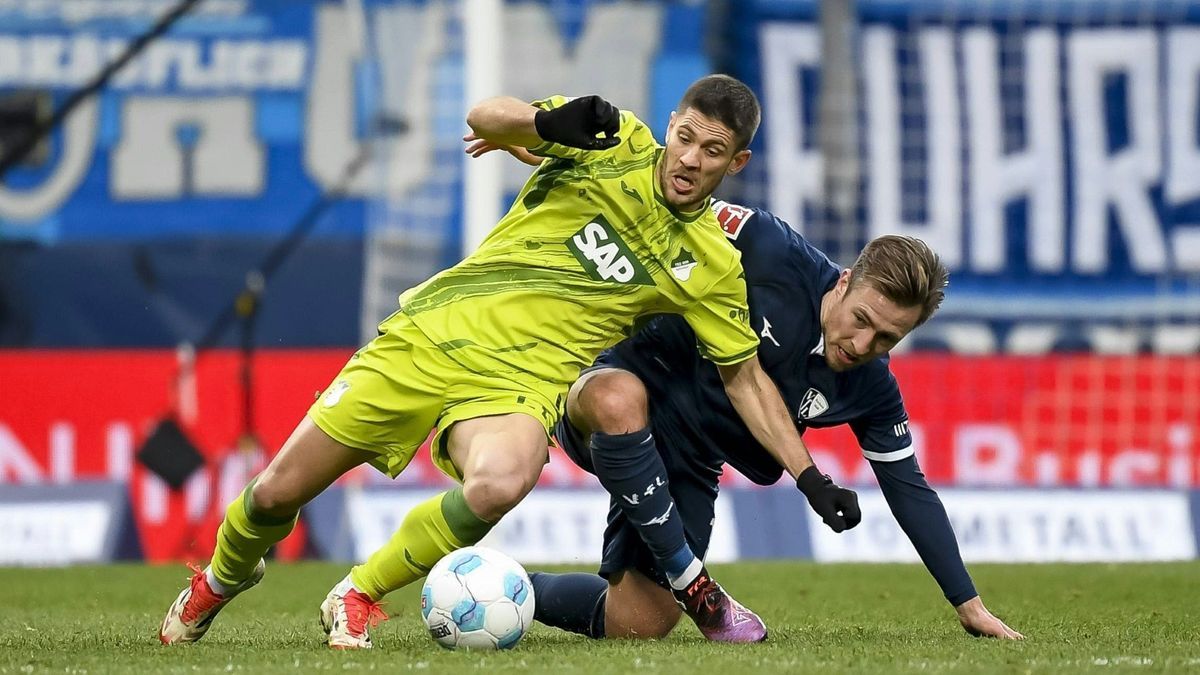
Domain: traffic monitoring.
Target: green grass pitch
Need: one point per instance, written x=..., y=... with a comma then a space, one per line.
x=823, y=618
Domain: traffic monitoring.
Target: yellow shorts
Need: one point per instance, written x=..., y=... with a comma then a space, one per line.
x=399, y=386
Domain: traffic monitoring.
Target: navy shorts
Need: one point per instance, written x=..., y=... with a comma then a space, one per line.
x=694, y=492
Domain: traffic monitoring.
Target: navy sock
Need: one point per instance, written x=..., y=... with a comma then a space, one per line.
x=572, y=602
x=629, y=467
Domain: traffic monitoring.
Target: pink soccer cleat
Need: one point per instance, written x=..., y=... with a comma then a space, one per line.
x=719, y=617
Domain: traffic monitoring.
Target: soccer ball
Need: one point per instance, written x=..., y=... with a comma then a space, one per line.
x=477, y=598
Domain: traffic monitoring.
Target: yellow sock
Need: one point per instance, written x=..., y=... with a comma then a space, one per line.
x=431, y=529
x=244, y=537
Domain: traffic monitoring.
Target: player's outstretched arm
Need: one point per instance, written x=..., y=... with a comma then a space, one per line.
x=577, y=123
x=758, y=402
x=920, y=513
x=505, y=120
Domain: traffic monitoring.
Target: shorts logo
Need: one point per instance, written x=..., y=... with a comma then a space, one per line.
x=335, y=393
x=683, y=265
x=605, y=256
x=813, y=404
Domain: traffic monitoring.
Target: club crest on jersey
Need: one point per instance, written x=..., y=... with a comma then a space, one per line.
x=683, y=264
x=605, y=256
x=335, y=393
x=813, y=404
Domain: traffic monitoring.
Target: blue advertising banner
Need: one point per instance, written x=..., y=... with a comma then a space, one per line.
x=1048, y=151
x=231, y=124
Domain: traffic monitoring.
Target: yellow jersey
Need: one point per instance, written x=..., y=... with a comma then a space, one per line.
x=588, y=250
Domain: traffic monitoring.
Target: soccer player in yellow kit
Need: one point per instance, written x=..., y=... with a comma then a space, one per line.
x=611, y=229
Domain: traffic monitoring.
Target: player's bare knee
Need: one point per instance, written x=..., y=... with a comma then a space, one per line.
x=492, y=496
x=271, y=499
x=614, y=401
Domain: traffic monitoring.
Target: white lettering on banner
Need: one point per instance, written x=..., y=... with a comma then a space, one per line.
x=992, y=454
x=53, y=533
x=153, y=162
x=986, y=454
x=796, y=171
x=119, y=451
x=16, y=463
x=613, y=56
x=185, y=65
x=997, y=178
x=1121, y=180
x=62, y=452
x=943, y=232
x=1183, y=151
x=549, y=526
x=406, y=78
x=1028, y=526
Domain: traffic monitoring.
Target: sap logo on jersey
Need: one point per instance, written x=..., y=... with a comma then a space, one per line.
x=813, y=404
x=605, y=256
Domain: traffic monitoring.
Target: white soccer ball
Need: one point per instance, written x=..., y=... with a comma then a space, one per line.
x=477, y=598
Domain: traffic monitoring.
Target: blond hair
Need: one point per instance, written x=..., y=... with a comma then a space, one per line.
x=904, y=270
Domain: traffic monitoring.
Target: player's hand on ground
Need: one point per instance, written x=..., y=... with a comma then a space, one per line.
x=978, y=621
x=578, y=122
x=478, y=147
x=837, y=506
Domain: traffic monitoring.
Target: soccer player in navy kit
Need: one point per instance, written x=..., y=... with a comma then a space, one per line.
x=824, y=335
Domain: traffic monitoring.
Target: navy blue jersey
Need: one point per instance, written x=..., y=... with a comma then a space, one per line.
x=786, y=277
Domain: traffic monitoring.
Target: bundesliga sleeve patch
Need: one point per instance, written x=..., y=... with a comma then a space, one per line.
x=731, y=217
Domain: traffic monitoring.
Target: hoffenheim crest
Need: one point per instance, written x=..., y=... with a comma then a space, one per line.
x=813, y=404
x=683, y=265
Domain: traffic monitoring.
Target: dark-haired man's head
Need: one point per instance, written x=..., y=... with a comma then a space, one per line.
x=707, y=139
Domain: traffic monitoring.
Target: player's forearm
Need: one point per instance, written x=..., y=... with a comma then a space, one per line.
x=923, y=518
x=505, y=120
x=759, y=404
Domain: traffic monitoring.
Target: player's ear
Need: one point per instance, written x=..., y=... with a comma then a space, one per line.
x=843, y=282
x=739, y=162
x=671, y=122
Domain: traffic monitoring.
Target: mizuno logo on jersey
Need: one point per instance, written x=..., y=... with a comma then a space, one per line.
x=683, y=264
x=766, y=332
x=813, y=404
x=605, y=257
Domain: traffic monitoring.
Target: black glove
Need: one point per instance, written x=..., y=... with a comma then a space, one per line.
x=836, y=505
x=576, y=123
